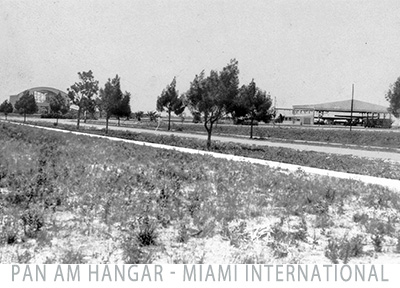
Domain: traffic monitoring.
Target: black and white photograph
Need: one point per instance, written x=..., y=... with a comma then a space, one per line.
x=200, y=132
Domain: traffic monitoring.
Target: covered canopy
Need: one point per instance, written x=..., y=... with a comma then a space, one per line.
x=344, y=106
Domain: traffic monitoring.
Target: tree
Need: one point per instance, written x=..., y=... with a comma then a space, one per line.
x=58, y=105
x=196, y=117
x=26, y=104
x=139, y=115
x=182, y=116
x=98, y=103
x=170, y=102
x=90, y=106
x=152, y=116
x=393, y=96
x=81, y=93
x=123, y=108
x=113, y=102
x=6, y=107
x=214, y=96
x=110, y=97
x=253, y=104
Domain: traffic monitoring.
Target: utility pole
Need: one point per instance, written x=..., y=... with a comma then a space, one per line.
x=274, y=108
x=352, y=100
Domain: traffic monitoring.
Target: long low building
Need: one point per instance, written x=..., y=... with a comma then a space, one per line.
x=333, y=113
x=344, y=112
x=41, y=95
x=287, y=116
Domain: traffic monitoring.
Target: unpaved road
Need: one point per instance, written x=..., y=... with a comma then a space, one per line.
x=392, y=156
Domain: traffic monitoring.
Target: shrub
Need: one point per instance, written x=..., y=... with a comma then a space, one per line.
x=9, y=229
x=183, y=235
x=33, y=221
x=377, y=241
x=72, y=256
x=344, y=249
x=133, y=250
x=236, y=234
x=147, y=232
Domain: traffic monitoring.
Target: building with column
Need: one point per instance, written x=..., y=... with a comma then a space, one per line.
x=354, y=112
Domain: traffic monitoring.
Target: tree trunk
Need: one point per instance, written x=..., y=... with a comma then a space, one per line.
x=209, y=140
x=84, y=116
x=57, y=121
x=169, y=120
x=251, y=128
x=107, y=117
x=119, y=121
x=79, y=118
x=24, y=117
x=6, y=116
x=209, y=131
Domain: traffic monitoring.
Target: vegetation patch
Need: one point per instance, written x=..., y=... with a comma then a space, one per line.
x=341, y=163
x=74, y=199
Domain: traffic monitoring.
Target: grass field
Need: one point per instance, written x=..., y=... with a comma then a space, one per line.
x=74, y=199
x=341, y=163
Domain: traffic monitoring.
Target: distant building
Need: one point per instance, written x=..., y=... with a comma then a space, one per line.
x=288, y=116
x=336, y=113
x=345, y=112
x=41, y=95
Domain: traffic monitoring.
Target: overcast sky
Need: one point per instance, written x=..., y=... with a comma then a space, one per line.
x=302, y=52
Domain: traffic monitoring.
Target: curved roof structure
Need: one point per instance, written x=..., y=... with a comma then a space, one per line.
x=44, y=89
x=344, y=106
x=41, y=95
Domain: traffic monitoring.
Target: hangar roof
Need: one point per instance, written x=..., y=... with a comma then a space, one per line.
x=345, y=106
x=41, y=89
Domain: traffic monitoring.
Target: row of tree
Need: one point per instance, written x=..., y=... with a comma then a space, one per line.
x=216, y=96
x=209, y=99
x=151, y=115
x=87, y=96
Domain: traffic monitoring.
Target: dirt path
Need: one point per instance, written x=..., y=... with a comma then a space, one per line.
x=392, y=156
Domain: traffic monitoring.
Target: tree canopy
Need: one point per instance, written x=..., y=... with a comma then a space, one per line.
x=81, y=93
x=169, y=101
x=26, y=104
x=213, y=96
x=110, y=96
x=253, y=104
x=393, y=96
x=123, y=108
x=113, y=102
x=58, y=105
x=6, y=108
x=152, y=115
x=139, y=115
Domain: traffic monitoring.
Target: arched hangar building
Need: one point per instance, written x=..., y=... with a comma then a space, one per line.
x=41, y=95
